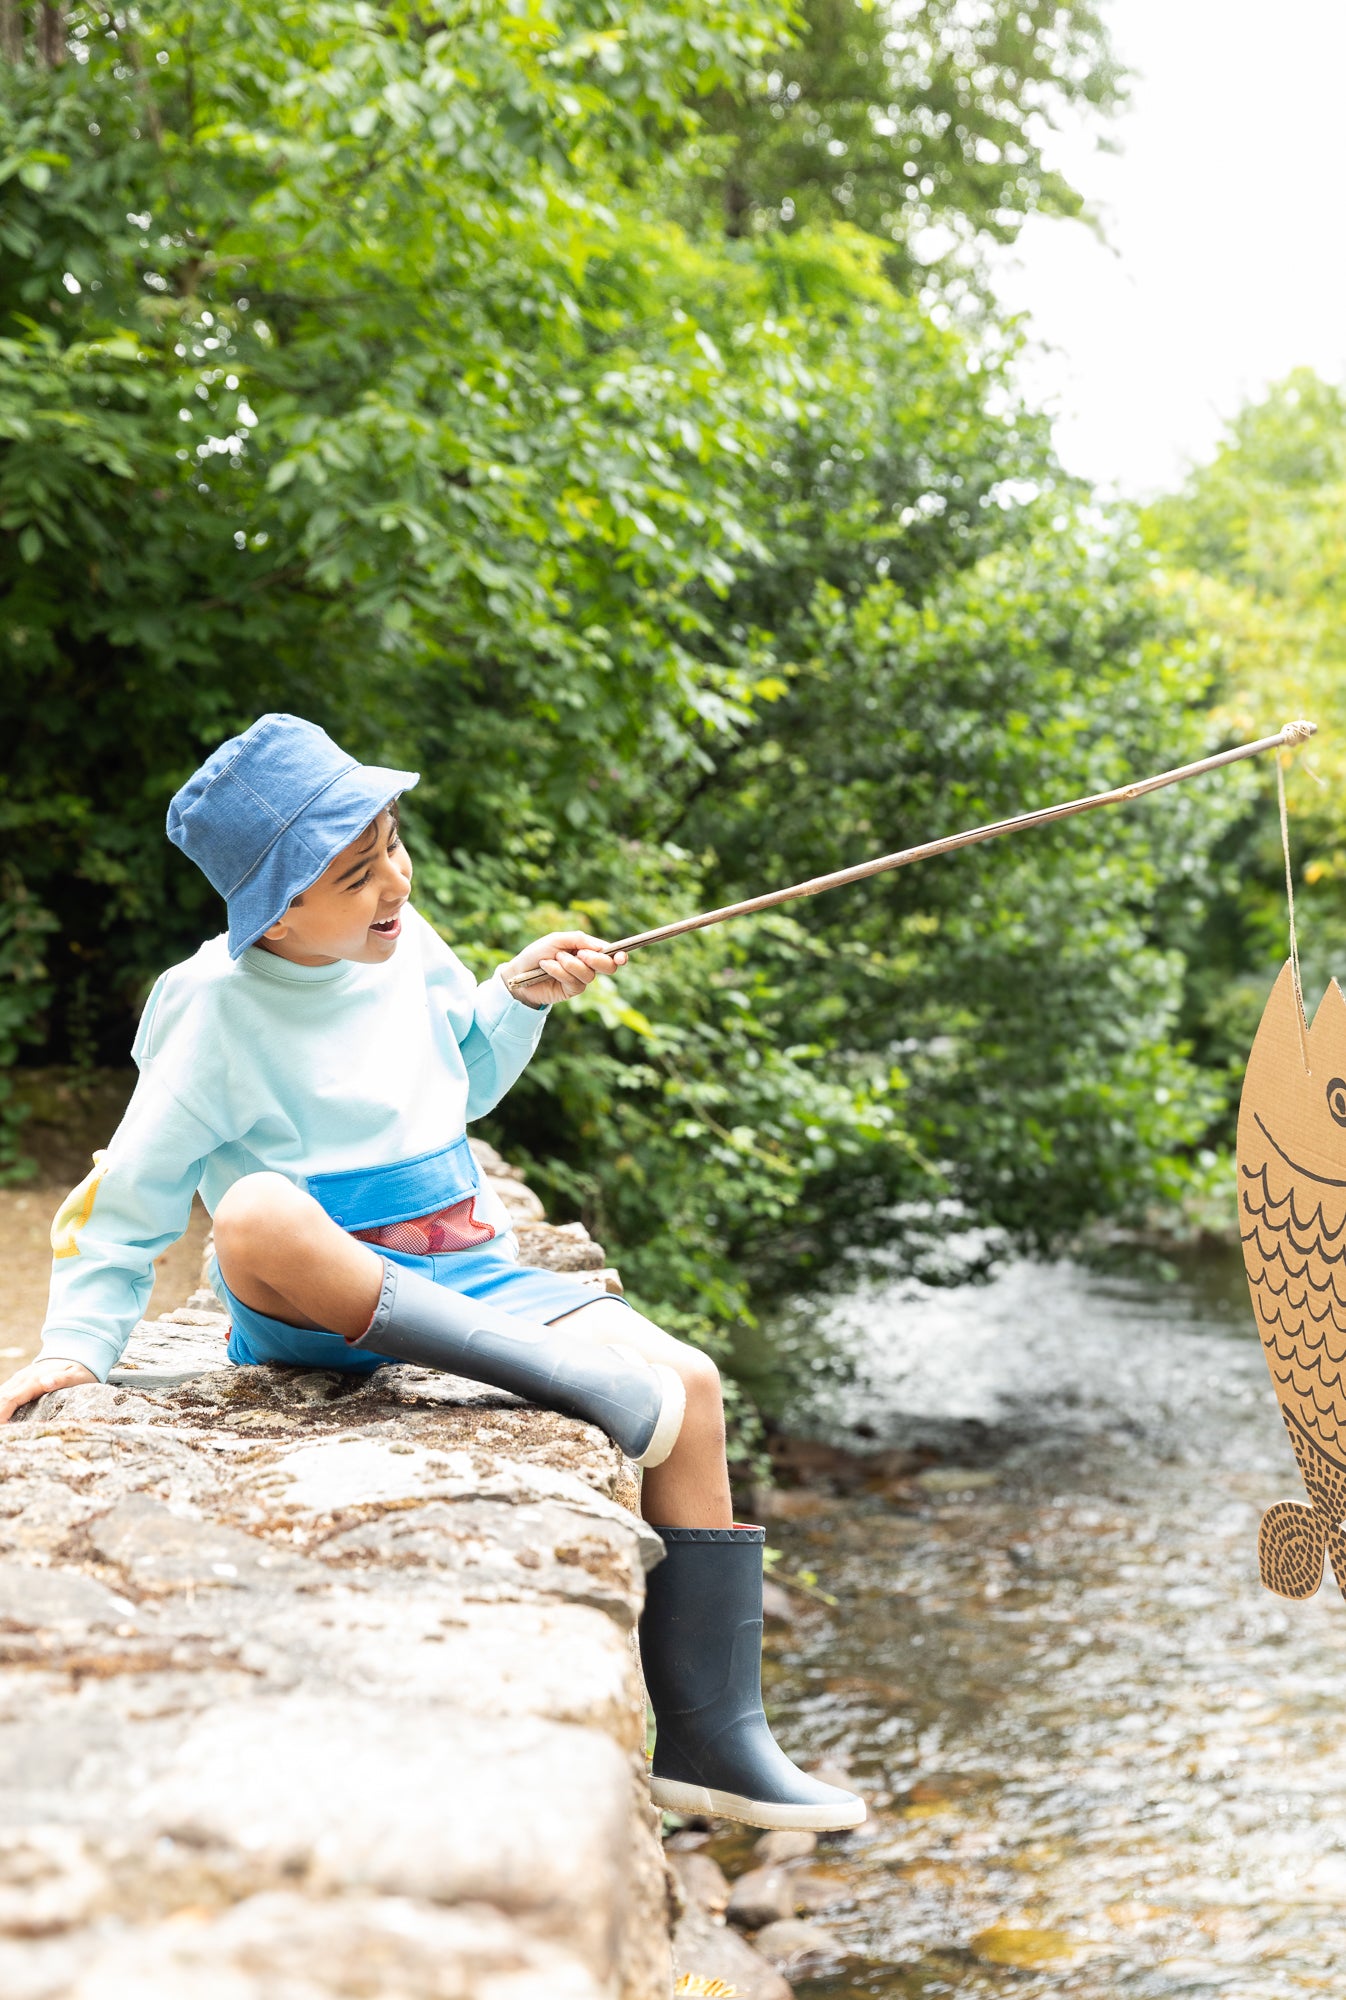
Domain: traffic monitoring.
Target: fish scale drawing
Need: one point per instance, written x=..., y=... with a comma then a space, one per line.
x=1292, y=1225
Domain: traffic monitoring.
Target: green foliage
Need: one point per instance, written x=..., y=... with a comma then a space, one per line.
x=1024, y=991
x=351, y=363
x=900, y=118
x=23, y=993
x=1256, y=548
x=292, y=394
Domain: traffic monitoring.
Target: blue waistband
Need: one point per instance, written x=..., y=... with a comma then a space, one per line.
x=369, y=1197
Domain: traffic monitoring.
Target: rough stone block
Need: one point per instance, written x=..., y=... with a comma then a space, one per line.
x=564, y=1246
x=409, y=1798
x=497, y=1549
x=158, y=1550
x=282, y=1946
x=314, y=1685
x=49, y=1882
x=35, y=1600
x=494, y=1164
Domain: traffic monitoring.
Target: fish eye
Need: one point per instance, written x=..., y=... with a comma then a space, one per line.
x=1336, y=1099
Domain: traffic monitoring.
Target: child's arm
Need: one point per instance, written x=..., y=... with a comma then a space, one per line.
x=496, y=1032
x=106, y=1237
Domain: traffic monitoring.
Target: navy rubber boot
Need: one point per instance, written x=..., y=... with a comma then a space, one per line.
x=638, y=1403
x=701, y=1649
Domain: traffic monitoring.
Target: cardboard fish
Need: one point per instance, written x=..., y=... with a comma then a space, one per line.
x=1292, y=1223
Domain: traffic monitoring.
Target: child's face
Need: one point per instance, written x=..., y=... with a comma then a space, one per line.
x=354, y=909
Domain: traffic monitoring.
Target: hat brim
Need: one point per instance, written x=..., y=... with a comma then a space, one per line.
x=309, y=846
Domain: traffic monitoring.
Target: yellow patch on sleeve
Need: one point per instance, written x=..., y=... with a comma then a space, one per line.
x=75, y=1211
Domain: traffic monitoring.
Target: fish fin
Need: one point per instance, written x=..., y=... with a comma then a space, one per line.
x=1291, y=1546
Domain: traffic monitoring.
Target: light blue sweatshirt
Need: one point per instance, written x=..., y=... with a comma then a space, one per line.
x=355, y=1082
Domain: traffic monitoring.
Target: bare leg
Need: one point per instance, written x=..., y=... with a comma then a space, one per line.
x=284, y=1256
x=281, y=1254
x=691, y=1488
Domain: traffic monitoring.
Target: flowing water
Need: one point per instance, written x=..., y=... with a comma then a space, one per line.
x=1102, y=1761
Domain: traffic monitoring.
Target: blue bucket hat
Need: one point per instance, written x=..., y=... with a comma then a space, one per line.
x=269, y=810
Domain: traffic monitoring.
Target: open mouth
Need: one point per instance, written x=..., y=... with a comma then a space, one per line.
x=389, y=927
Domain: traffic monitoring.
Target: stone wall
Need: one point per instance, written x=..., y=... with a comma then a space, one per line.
x=314, y=1686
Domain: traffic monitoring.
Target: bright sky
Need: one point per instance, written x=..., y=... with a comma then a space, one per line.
x=1224, y=219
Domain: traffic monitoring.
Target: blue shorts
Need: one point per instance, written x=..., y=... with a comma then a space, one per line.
x=481, y=1274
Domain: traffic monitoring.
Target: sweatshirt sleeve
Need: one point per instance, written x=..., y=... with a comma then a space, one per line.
x=109, y=1230
x=499, y=1043
x=496, y=1034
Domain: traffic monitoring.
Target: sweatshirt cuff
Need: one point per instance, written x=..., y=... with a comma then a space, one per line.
x=99, y=1355
x=499, y=1013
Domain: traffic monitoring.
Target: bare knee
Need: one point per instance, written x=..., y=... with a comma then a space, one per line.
x=253, y=1215
x=701, y=1380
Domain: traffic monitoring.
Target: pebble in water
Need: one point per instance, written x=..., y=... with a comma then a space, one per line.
x=701, y=1880
x=785, y=1844
x=762, y=1896
x=795, y=1945
x=708, y=1950
x=1026, y=1949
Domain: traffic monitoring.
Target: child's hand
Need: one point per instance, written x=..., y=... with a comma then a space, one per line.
x=571, y=960
x=38, y=1379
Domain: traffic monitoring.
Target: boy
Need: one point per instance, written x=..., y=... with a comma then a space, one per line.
x=312, y=1074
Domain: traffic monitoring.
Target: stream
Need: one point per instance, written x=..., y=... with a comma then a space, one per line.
x=1102, y=1761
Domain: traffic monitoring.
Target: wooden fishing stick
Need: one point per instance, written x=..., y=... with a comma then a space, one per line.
x=1284, y=739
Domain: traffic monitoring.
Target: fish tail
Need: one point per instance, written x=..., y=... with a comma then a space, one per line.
x=1291, y=1547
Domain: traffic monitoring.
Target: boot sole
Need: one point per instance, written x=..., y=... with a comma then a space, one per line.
x=672, y=1410
x=700, y=1799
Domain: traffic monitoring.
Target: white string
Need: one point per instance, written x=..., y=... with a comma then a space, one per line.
x=1290, y=904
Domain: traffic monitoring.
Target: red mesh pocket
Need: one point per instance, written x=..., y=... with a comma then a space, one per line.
x=450, y=1229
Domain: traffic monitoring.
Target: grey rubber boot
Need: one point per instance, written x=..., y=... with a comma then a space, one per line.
x=638, y=1403
x=701, y=1649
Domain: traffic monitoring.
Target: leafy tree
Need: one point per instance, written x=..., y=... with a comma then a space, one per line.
x=1025, y=995
x=1255, y=544
x=927, y=112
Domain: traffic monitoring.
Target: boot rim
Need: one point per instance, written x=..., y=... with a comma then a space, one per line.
x=742, y=1532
